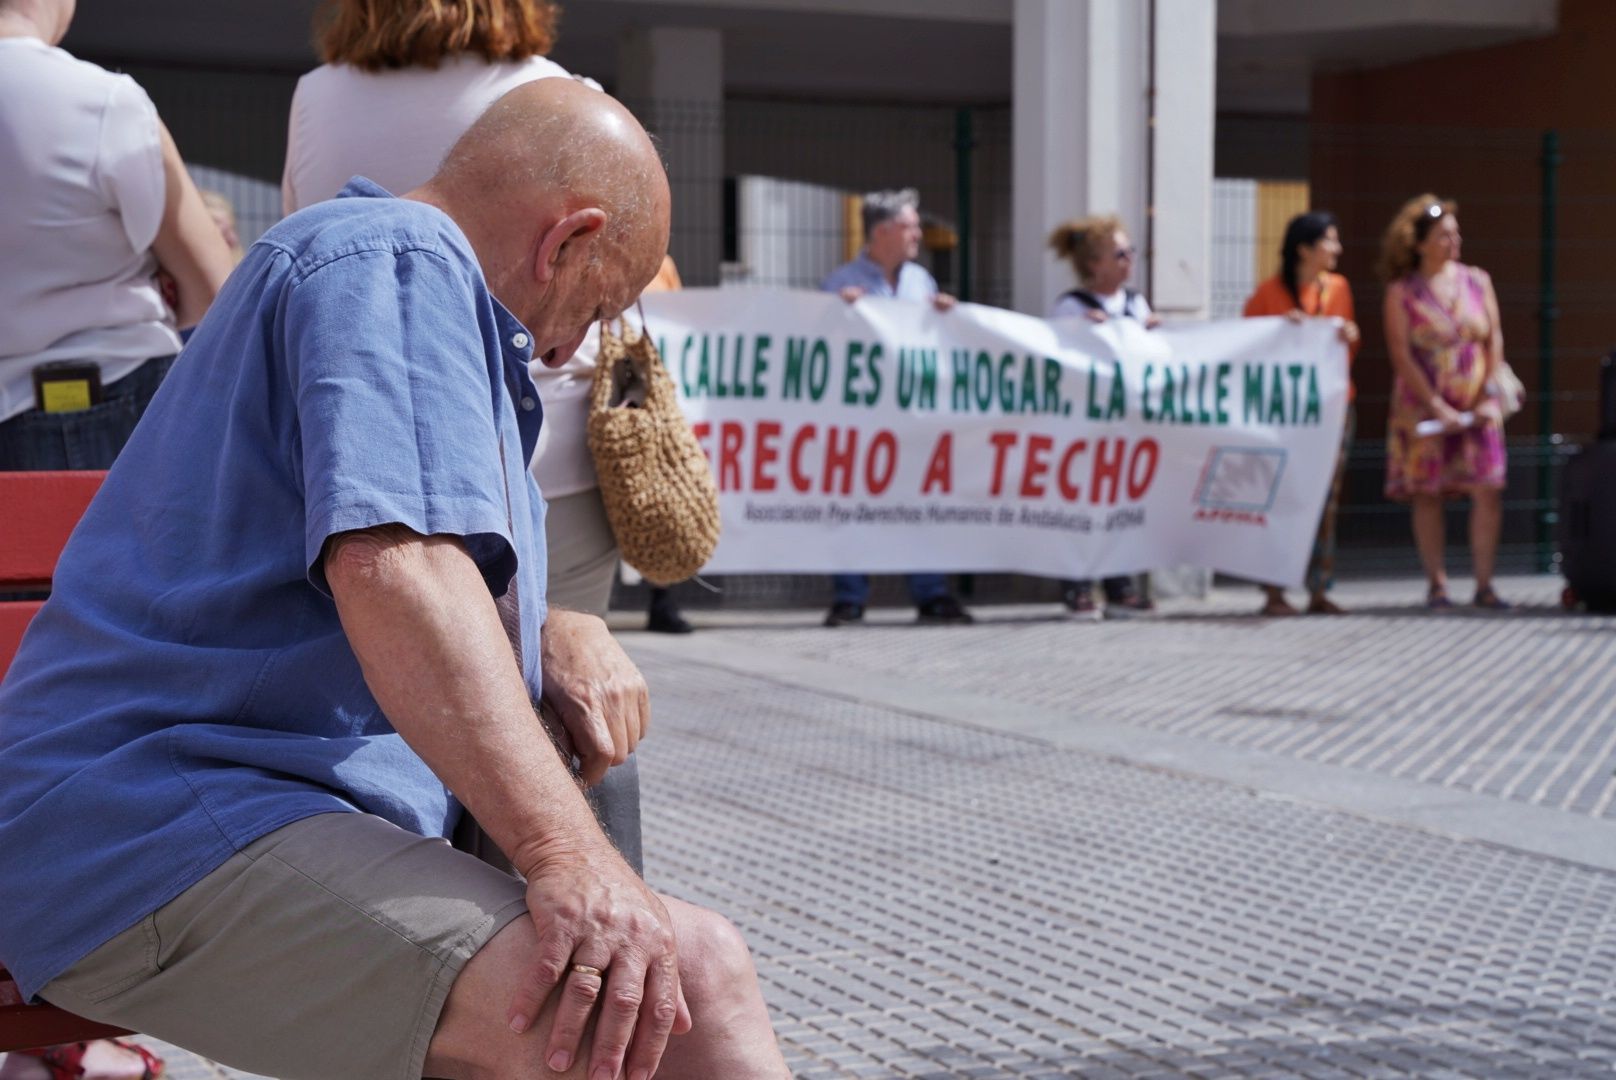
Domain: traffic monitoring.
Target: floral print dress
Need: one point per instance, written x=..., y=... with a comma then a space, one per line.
x=1457, y=369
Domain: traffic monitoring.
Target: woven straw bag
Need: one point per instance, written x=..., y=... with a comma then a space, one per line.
x=659, y=493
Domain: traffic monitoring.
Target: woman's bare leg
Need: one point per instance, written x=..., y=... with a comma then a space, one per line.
x=1486, y=526
x=1429, y=540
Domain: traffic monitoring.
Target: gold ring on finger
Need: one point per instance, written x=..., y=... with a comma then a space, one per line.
x=585, y=969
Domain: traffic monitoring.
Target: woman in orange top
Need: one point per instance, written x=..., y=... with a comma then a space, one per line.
x=1307, y=287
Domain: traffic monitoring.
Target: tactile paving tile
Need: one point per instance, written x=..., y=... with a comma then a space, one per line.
x=1520, y=706
x=927, y=900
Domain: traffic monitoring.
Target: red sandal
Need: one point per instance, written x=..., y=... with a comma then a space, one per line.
x=66, y=1062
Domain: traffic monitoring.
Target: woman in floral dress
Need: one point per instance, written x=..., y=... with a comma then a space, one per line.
x=1446, y=343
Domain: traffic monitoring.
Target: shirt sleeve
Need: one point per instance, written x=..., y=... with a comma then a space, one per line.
x=129, y=162
x=1066, y=306
x=1262, y=300
x=927, y=282
x=396, y=406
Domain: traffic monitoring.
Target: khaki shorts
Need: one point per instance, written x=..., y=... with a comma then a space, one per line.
x=325, y=949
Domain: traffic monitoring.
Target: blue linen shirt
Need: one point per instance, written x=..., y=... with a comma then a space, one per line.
x=914, y=281
x=188, y=687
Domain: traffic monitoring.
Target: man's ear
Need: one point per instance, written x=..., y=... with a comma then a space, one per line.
x=558, y=238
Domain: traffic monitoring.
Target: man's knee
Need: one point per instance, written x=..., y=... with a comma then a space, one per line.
x=714, y=961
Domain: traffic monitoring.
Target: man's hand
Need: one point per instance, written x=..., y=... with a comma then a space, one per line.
x=595, y=690
x=590, y=910
x=850, y=293
x=944, y=302
x=1095, y=315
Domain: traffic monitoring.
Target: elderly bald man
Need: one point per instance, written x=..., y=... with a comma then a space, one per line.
x=297, y=636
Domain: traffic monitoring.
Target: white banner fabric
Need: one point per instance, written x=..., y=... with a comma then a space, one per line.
x=883, y=436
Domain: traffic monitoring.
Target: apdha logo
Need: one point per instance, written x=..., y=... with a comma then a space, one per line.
x=1239, y=484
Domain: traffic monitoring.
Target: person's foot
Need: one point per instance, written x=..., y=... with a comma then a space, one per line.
x=1125, y=600
x=1320, y=604
x=943, y=611
x=1078, y=599
x=842, y=614
x=1436, y=598
x=1275, y=605
x=1488, y=600
x=666, y=619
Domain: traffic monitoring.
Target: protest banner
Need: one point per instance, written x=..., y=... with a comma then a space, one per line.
x=885, y=436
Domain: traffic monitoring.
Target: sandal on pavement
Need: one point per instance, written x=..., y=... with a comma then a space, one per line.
x=1488, y=600
x=1323, y=605
x=1275, y=606
x=1437, y=600
x=67, y=1062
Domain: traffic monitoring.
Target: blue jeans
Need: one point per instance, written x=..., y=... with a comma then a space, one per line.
x=34, y=441
x=855, y=588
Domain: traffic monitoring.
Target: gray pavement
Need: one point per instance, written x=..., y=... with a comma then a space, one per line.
x=1193, y=845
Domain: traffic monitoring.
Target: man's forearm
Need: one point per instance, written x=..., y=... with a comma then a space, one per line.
x=434, y=654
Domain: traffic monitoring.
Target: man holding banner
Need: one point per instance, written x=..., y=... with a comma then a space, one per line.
x=886, y=267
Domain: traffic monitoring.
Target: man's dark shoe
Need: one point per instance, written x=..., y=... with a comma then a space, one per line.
x=667, y=620
x=1124, y=600
x=845, y=614
x=943, y=611
x=1078, y=598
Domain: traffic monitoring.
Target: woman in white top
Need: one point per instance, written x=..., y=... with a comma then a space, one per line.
x=1102, y=258
x=402, y=81
x=95, y=200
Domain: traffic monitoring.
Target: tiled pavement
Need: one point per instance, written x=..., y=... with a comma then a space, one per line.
x=1196, y=845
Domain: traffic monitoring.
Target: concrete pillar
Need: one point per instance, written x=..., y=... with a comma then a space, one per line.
x=673, y=79
x=1082, y=140
x=1186, y=90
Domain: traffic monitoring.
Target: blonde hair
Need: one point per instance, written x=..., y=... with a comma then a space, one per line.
x=1082, y=241
x=376, y=34
x=1399, y=247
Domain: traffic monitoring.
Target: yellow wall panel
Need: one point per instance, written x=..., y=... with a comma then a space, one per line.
x=1277, y=202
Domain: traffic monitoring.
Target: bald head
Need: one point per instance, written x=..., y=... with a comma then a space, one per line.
x=565, y=202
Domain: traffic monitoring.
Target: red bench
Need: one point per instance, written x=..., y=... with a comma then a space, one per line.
x=41, y=509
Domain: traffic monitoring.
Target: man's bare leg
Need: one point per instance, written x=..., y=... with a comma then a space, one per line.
x=731, y=1037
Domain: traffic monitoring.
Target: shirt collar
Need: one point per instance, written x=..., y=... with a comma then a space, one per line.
x=360, y=188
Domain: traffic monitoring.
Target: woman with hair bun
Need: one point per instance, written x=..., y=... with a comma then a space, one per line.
x=1102, y=258
x=1307, y=287
x=1446, y=344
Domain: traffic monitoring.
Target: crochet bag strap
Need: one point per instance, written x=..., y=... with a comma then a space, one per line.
x=659, y=391
x=606, y=358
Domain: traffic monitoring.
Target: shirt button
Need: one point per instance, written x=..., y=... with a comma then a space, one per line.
x=528, y=404
x=519, y=341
